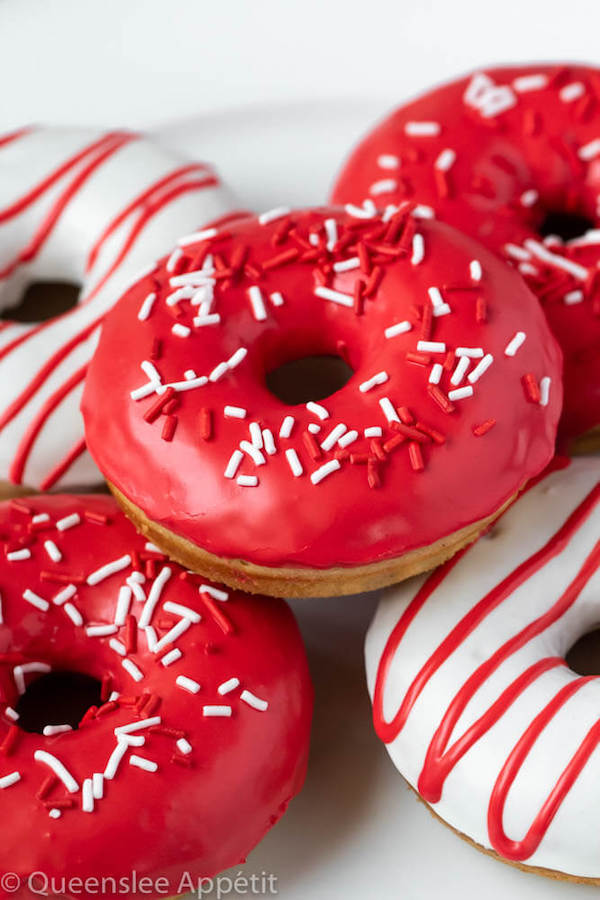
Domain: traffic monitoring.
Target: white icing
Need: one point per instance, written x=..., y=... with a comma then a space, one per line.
x=116, y=183
x=570, y=844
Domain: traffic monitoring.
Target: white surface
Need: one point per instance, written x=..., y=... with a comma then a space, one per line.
x=278, y=89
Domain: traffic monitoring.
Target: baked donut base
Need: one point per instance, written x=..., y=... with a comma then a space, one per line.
x=535, y=870
x=588, y=442
x=289, y=581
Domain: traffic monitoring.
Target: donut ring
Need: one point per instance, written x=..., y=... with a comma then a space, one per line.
x=173, y=771
x=341, y=495
x=92, y=208
x=471, y=692
x=500, y=155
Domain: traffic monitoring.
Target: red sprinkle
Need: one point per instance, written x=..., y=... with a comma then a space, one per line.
x=154, y=411
x=219, y=617
x=440, y=398
x=373, y=477
x=484, y=427
x=206, y=424
x=416, y=457
x=531, y=387
x=168, y=429
x=131, y=633
x=311, y=445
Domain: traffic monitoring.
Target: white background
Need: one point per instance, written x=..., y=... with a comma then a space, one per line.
x=275, y=92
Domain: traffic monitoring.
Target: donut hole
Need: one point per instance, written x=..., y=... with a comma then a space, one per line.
x=584, y=656
x=566, y=225
x=58, y=698
x=308, y=378
x=43, y=300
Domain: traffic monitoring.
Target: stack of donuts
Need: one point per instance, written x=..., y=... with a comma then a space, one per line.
x=240, y=407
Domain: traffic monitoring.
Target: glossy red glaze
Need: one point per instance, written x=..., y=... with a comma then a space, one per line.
x=206, y=805
x=426, y=476
x=517, y=152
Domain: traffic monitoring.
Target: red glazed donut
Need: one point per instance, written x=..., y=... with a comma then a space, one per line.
x=509, y=155
x=448, y=413
x=175, y=770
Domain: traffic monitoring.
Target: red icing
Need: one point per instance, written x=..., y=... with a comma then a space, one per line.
x=201, y=811
x=534, y=144
x=442, y=755
x=387, y=495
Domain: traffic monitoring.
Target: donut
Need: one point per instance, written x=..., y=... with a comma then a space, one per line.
x=471, y=692
x=450, y=404
x=199, y=735
x=512, y=157
x=92, y=209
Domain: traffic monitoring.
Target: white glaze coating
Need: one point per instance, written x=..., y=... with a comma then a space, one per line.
x=570, y=843
x=148, y=193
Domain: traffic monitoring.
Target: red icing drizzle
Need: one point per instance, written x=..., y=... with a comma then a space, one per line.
x=440, y=757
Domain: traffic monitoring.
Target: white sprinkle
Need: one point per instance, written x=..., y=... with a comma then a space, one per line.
x=52, y=551
x=545, y=383
x=529, y=83
x=388, y=161
x=253, y=452
x=431, y=346
x=213, y=711
x=235, y=412
x=40, y=517
x=269, y=442
x=171, y=636
x=173, y=259
x=154, y=596
x=514, y=344
x=142, y=763
x=98, y=785
x=418, y=250
x=183, y=746
x=256, y=435
x=480, y=368
x=214, y=592
x=247, y=480
x=529, y=198
x=445, y=160
x=373, y=431
x=314, y=428
x=331, y=232
x=227, y=686
x=276, y=298
x=204, y=235
x=440, y=307
x=317, y=410
x=366, y=211
x=517, y=252
x=422, y=129
x=178, y=609
x=374, y=381
x=421, y=211
x=11, y=713
x=383, y=186
x=131, y=668
x=181, y=330
x=74, y=614
x=399, y=328
x=293, y=462
x=115, y=758
x=591, y=236
x=573, y=297
x=8, y=780
x=323, y=471
x=346, y=265
x=114, y=695
x=117, y=646
x=171, y=657
x=286, y=427
x=55, y=813
x=435, y=376
x=233, y=464
x=461, y=370
x=271, y=215
x=471, y=352
x=188, y=684
x=100, y=630
x=553, y=259
x=19, y=673
x=109, y=569
x=218, y=372
x=51, y=730
x=183, y=293
x=36, y=600
x=140, y=724
x=201, y=321
x=488, y=98
x=333, y=436
x=335, y=296
x=527, y=269
x=146, y=307
x=572, y=91
x=461, y=393
x=257, y=303
x=254, y=701
x=388, y=409
x=136, y=587
x=236, y=358
x=58, y=768
x=123, y=604
x=475, y=270
x=348, y=438
x=65, y=594
x=18, y=555
x=151, y=637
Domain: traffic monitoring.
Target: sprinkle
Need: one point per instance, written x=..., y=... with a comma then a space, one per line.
x=188, y=684
x=573, y=297
x=58, y=768
x=247, y=480
x=131, y=668
x=66, y=594
x=384, y=186
x=471, y=352
x=348, y=438
x=137, y=726
x=440, y=307
x=233, y=464
x=431, y=347
x=461, y=370
x=268, y=442
x=484, y=427
x=51, y=730
x=514, y=344
x=218, y=372
x=213, y=711
x=11, y=713
x=142, y=763
x=171, y=657
x=98, y=785
x=8, y=780
x=115, y=758
x=480, y=368
x=388, y=409
x=18, y=555
x=317, y=410
x=529, y=198
x=552, y=259
x=146, y=307
x=286, y=427
x=422, y=129
x=531, y=387
x=374, y=381
x=445, y=160
x=214, y=592
x=109, y=569
x=40, y=517
x=335, y=296
x=314, y=428
x=235, y=412
x=418, y=251
x=202, y=321
x=254, y=701
x=276, y=298
x=123, y=603
x=273, y=214
x=366, y=211
x=227, y=686
x=100, y=630
x=461, y=393
x=589, y=151
x=331, y=232
x=257, y=303
x=517, y=252
x=545, y=383
x=173, y=259
x=55, y=813
x=36, y=600
x=117, y=646
x=399, y=328
x=74, y=614
x=181, y=330
x=333, y=436
x=19, y=673
x=253, y=452
x=179, y=610
x=529, y=83
x=346, y=265
x=373, y=431
x=183, y=746
x=475, y=270
x=388, y=161
x=154, y=596
x=323, y=471
x=52, y=551
x=293, y=462
x=205, y=235
x=236, y=358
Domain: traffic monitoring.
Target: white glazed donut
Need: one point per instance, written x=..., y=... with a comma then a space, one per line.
x=470, y=688
x=89, y=207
